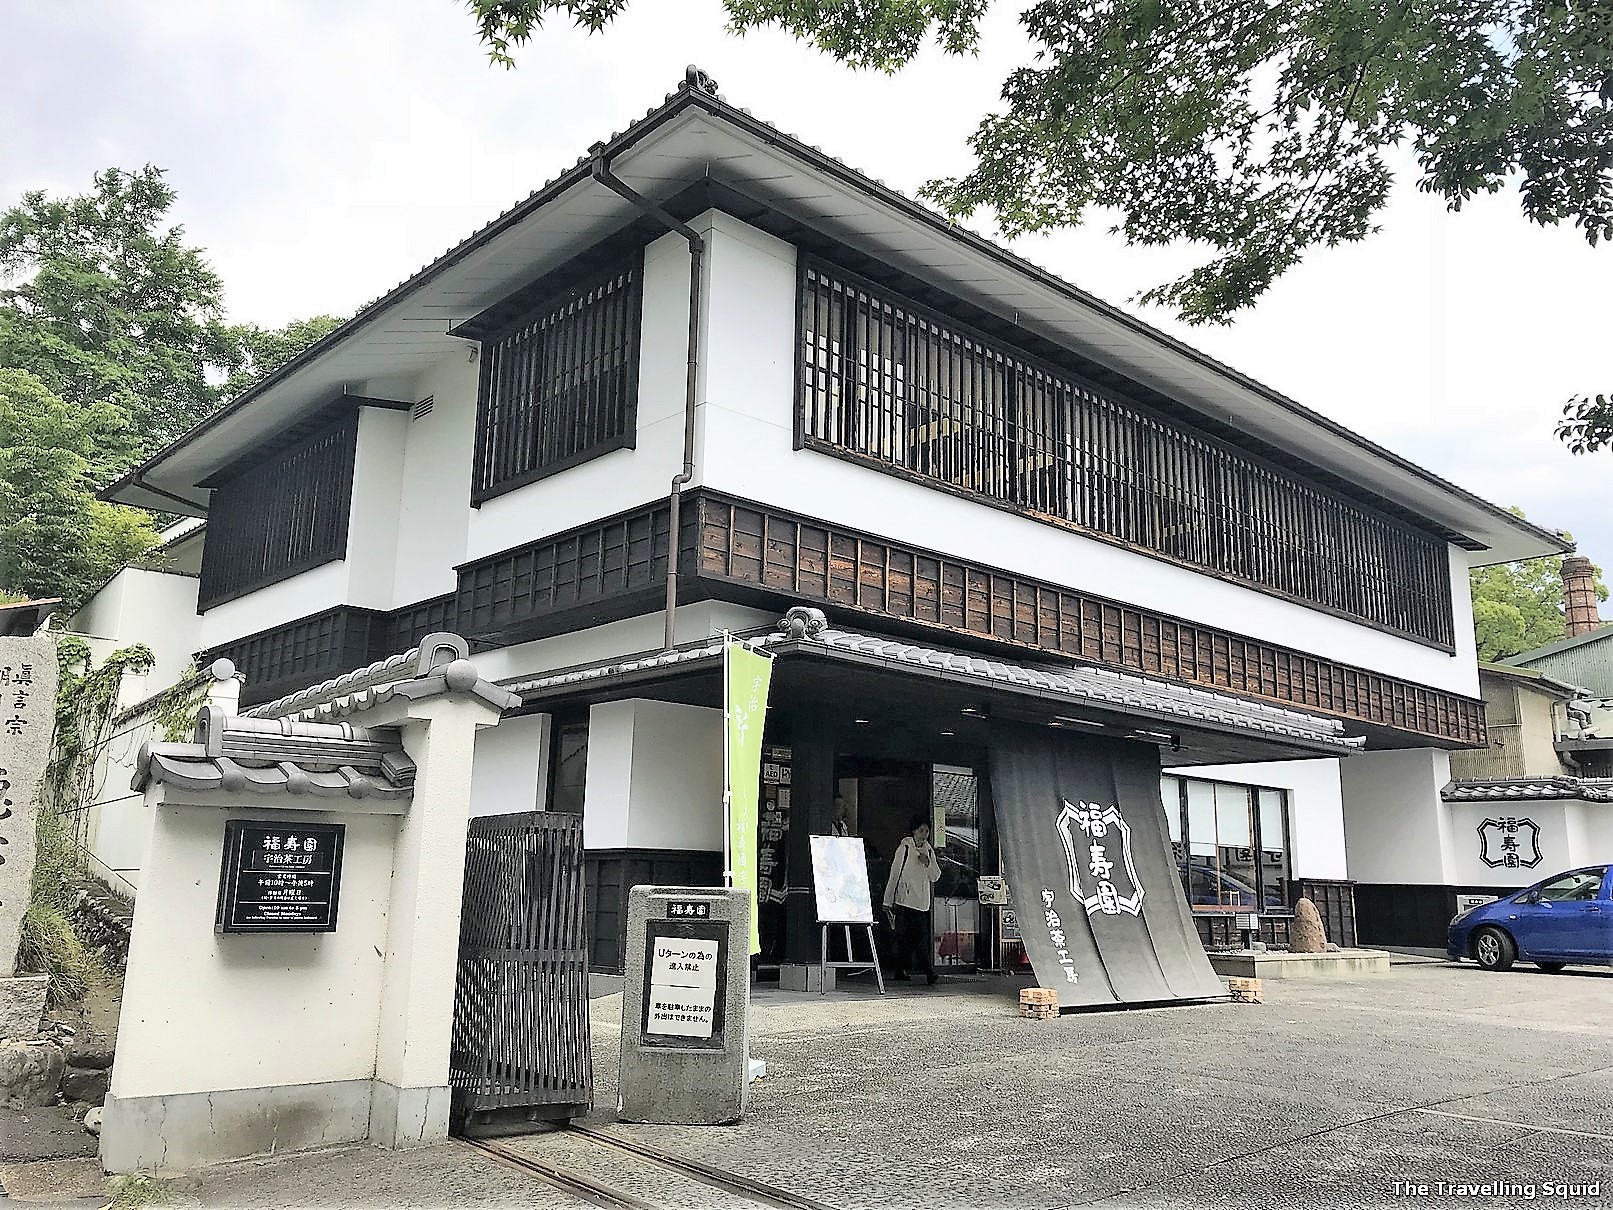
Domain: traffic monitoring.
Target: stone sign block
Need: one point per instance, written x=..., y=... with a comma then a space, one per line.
x=27, y=718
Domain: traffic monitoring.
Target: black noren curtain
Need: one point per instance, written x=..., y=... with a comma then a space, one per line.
x=1090, y=866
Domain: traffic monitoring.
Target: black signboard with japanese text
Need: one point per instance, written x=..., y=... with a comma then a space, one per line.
x=280, y=877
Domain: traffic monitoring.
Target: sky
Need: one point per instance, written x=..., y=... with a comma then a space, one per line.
x=322, y=152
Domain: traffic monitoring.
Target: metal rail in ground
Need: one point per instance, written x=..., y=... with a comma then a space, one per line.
x=732, y=1182
x=577, y=1184
x=599, y=1193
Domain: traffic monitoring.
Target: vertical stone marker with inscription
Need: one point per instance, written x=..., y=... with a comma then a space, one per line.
x=685, y=1049
x=27, y=719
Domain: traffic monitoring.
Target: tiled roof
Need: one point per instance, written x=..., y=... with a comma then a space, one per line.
x=807, y=631
x=438, y=665
x=189, y=767
x=299, y=746
x=1514, y=789
x=317, y=760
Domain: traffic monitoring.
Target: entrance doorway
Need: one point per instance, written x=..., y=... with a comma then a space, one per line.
x=881, y=797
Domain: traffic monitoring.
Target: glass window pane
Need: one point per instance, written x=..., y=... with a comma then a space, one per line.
x=1203, y=858
x=1235, y=848
x=1276, y=866
x=1583, y=885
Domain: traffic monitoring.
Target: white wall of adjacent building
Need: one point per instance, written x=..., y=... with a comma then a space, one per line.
x=157, y=608
x=1394, y=829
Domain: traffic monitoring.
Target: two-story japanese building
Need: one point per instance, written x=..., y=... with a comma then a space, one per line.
x=710, y=374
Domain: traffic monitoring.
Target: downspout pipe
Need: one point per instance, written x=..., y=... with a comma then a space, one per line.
x=697, y=256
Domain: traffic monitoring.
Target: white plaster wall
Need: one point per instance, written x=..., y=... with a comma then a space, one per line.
x=156, y=608
x=644, y=633
x=434, y=508
x=507, y=773
x=275, y=605
x=1557, y=850
x=204, y=1012
x=675, y=799
x=623, y=478
x=1598, y=830
x=654, y=777
x=372, y=523
x=607, y=787
x=1315, y=808
x=1395, y=826
x=748, y=450
x=120, y=821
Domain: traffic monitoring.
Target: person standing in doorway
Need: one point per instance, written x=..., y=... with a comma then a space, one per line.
x=838, y=825
x=915, y=869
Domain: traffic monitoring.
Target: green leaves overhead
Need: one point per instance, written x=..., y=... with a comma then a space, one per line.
x=1587, y=423
x=1258, y=129
x=109, y=306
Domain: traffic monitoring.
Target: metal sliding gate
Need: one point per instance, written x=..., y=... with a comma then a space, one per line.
x=520, y=1038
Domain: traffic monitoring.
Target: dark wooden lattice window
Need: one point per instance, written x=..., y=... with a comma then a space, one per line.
x=560, y=386
x=280, y=514
x=895, y=385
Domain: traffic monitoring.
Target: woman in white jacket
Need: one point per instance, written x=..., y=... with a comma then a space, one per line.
x=915, y=869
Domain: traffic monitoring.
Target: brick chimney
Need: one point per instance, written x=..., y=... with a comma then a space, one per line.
x=1579, y=595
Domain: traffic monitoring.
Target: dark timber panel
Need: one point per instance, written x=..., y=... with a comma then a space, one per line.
x=520, y=1035
x=612, y=873
x=302, y=653
x=808, y=560
x=280, y=516
x=560, y=385
x=599, y=566
x=909, y=391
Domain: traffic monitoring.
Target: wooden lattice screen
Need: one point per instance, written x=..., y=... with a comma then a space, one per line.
x=520, y=1036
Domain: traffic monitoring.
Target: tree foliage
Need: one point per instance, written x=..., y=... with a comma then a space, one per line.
x=1587, y=424
x=56, y=538
x=265, y=350
x=1519, y=606
x=113, y=342
x=109, y=305
x=1258, y=128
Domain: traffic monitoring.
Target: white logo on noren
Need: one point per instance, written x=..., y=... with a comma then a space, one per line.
x=1086, y=831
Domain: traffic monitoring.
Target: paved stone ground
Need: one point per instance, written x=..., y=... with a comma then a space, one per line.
x=1326, y=1095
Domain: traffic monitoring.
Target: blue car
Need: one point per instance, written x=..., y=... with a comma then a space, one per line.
x=1566, y=919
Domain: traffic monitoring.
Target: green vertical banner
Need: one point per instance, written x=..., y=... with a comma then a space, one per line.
x=746, y=676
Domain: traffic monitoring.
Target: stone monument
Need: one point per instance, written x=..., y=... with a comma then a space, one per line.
x=27, y=719
x=1305, y=933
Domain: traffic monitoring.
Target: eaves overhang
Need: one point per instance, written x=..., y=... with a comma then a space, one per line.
x=697, y=137
x=1108, y=702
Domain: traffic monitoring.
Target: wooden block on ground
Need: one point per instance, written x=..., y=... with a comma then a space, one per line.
x=1038, y=1003
x=1244, y=991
